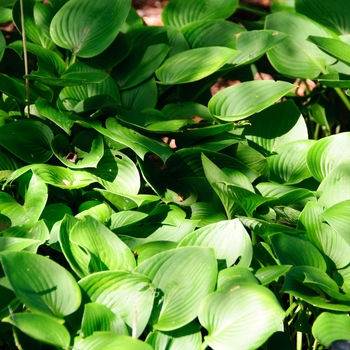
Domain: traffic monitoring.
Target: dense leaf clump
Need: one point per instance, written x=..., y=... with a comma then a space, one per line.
x=139, y=210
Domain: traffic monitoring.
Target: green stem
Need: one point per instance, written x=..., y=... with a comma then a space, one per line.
x=254, y=238
x=343, y=97
x=291, y=308
x=25, y=58
x=299, y=341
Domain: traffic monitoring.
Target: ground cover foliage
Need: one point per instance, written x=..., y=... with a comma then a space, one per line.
x=138, y=211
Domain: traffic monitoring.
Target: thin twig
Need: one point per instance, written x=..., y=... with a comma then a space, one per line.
x=25, y=57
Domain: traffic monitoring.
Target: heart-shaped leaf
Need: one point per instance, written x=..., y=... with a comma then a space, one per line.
x=124, y=293
x=326, y=154
x=311, y=60
x=104, y=250
x=229, y=324
x=41, y=284
x=331, y=327
x=288, y=162
x=184, y=277
x=229, y=239
x=88, y=28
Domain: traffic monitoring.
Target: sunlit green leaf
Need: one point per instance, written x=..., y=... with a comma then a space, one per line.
x=242, y=100
x=41, y=284
x=229, y=240
x=184, y=276
x=331, y=327
x=108, y=340
x=41, y=327
x=123, y=293
x=311, y=61
x=193, y=65
x=230, y=325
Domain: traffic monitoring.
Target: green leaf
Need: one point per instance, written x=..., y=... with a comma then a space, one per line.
x=187, y=337
x=335, y=187
x=311, y=61
x=316, y=288
x=268, y=274
x=123, y=293
x=118, y=173
x=98, y=317
x=184, y=276
x=139, y=65
x=108, y=340
x=235, y=276
x=33, y=31
x=229, y=239
x=5, y=15
x=34, y=203
x=211, y=32
x=328, y=241
x=37, y=232
x=288, y=124
x=333, y=17
x=73, y=96
x=293, y=250
x=288, y=162
x=193, y=65
x=140, y=97
x=32, y=140
x=55, y=212
x=135, y=140
x=43, y=328
x=254, y=44
x=56, y=116
x=14, y=243
x=88, y=28
x=242, y=100
x=333, y=47
x=331, y=327
x=104, y=250
x=180, y=12
x=16, y=89
x=62, y=177
x=264, y=228
x=230, y=325
x=50, y=65
x=84, y=151
x=337, y=216
x=41, y=284
x=326, y=154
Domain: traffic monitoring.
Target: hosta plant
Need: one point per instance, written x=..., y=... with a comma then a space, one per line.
x=139, y=210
